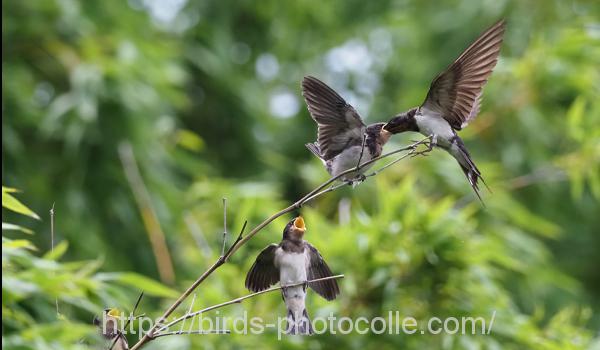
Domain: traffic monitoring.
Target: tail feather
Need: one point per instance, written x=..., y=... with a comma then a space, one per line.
x=298, y=327
x=315, y=149
x=469, y=168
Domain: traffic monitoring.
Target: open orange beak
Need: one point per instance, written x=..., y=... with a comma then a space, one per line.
x=299, y=223
x=114, y=312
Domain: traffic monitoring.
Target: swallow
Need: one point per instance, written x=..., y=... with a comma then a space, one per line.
x=292, y=261
x=454, y=99
x=109, y=328
x=343, y=139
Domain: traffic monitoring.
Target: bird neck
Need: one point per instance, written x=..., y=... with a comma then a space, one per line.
x=403, y=122
x=292, y=245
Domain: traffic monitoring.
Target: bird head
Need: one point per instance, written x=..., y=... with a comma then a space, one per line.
x=295, y=229
x=377, y=132
x=401, y=122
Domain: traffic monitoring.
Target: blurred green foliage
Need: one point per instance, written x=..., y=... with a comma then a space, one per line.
x=207, y=93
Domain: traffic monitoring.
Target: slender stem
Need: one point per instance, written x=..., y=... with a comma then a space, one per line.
x=240, y=299
x=191, y=332
x=241, y=240
x=52, y=248
x=148, y=214
x=224, y=226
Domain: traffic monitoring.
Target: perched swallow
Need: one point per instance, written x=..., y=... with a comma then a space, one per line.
x=342, y=138
x=454, y=99
x=293, y=260
x=109, y=328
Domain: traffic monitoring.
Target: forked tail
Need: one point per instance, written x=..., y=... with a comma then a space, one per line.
x=300, y=326
x=469, y=168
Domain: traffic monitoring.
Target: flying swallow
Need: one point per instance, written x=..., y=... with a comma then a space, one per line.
x=343, y=139
x=109, y=328
x=454, y=99
x=292, y=261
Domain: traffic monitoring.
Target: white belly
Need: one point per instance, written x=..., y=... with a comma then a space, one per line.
x=292, y=267
x=435, y=125
x=349, y=159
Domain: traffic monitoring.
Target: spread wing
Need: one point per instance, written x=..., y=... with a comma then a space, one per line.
x=455, y=93
x=263, y=272
x=339, y=123
x=318, y=269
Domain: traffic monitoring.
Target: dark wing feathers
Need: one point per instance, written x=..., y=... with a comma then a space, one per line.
x=263, y=272
x=318, y=269
x=455, y=93
x=339, y=123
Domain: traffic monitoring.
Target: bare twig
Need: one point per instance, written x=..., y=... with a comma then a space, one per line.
x=149, y=217
x=52, y=249
x=189, y=311
x=241, y=240
x=224, y=225
x=240, y=299
x=191, y=332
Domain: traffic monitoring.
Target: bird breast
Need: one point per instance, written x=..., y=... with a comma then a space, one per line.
x=435, y=125
x=349, y=159
x=292, y=266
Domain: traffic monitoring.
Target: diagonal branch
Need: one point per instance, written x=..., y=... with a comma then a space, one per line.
x=411, y=150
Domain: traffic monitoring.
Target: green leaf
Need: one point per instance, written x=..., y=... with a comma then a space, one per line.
x=58, y=251
x=11, y=203
x=190, y=140
x=18, y=244
x=12, y=227
x=149, y=286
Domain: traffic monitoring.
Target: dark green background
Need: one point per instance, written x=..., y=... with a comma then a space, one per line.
x=208, y=95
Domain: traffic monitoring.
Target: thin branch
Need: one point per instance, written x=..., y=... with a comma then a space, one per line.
x=241, y=299
x=313, y=194
x=224, y=226
x=191, y=332
x=52, y=248
x=189, y=310
x=239, y=238
x=149, y=217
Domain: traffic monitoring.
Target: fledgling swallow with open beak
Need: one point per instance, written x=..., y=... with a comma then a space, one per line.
x=341, y=131
x=454, y=100
x=109, y=328
x=292, y=261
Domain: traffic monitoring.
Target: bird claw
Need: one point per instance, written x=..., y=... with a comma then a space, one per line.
x=432, y=142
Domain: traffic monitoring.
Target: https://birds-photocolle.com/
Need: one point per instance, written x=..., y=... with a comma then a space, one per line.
x=290, y=262
x=454, y=99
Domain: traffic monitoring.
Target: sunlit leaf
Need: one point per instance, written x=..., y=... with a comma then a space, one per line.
x=11, y=203
x=12, y=227
x=59, y=250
